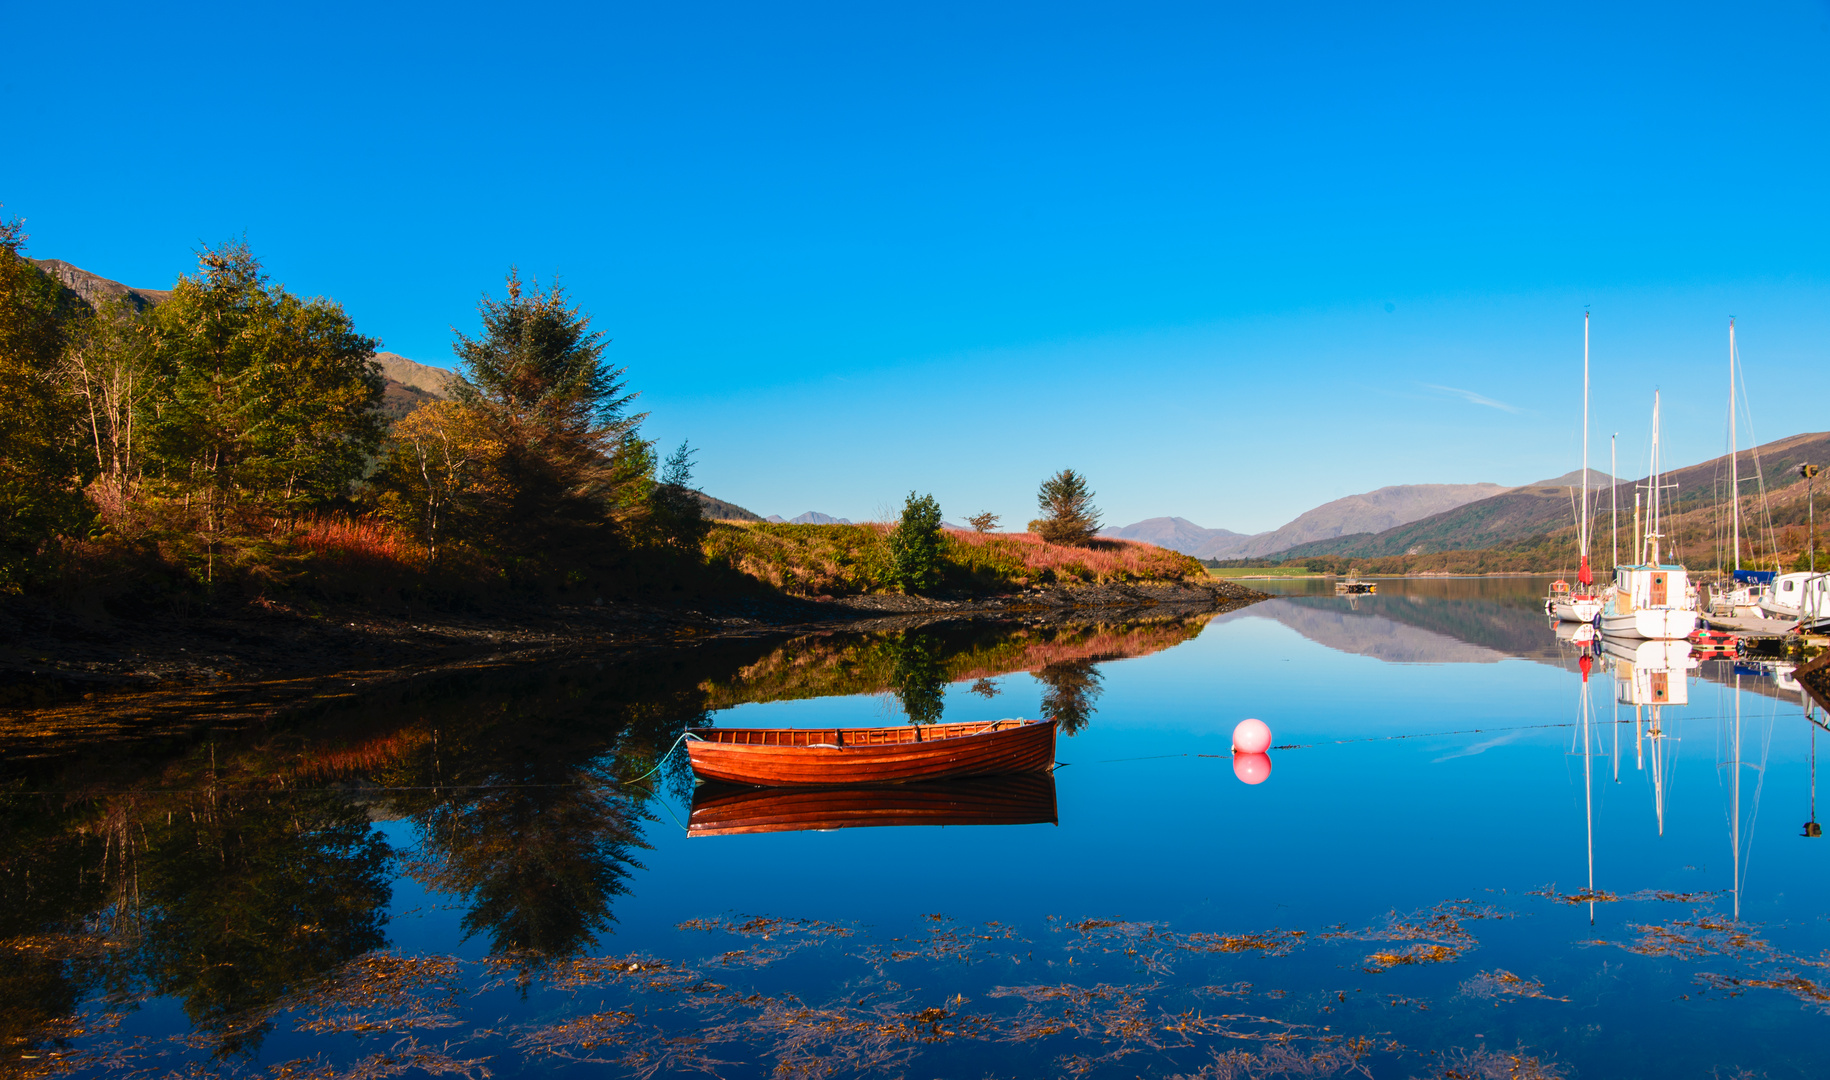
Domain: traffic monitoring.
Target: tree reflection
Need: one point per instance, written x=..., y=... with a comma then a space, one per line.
x=247, y=896
x=1072, y=686
x=919, y=679
x=540, y=855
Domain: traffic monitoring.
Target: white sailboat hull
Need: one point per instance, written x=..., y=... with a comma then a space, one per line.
x=1576, y=609
x=1652, y=624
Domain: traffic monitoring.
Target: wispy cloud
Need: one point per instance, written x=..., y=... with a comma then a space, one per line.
x=1475, y=399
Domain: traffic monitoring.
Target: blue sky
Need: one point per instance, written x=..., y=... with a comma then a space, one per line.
x=1230, y=261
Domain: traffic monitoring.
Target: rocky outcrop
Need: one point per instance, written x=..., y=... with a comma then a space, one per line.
x=97, y=290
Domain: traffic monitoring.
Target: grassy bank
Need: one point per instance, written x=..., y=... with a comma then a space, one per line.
x=845, y=560
x=1229, y=573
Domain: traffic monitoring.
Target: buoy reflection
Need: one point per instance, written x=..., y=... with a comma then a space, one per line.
x=1252, y=768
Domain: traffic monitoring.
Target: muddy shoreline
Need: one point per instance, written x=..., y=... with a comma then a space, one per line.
x=51, y=655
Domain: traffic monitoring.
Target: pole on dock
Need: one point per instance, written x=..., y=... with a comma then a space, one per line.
x=1809, y=472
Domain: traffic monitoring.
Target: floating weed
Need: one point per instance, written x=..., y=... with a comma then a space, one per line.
x=385, y=992
x=1806, y=990
x=1284, y=1061
x=1270, y=943
x=944, y=941
x=1500, y=983
x=1415, y=954
x=1688, y=939
x=1096, y=1012
x=1602, y=896
x=1484, y=1064
x=579, y=1036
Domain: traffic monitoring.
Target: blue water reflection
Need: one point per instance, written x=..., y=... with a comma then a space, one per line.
x=1408, y=894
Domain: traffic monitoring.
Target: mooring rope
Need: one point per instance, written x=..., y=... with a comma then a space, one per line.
x=662, y=760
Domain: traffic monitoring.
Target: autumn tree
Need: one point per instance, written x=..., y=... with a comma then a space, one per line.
x=983, y=523
x=42, y=470
x=570, y=462
x=1069, y=516
x=264, y=402
x=440, y=463
x=108, y=367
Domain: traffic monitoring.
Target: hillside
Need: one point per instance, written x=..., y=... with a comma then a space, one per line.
x=1179, y=534
x=1372, y=512
x=97, y=290
x=719, y=510
x=433, y=382
x=1353, y=514
x=1524, y=515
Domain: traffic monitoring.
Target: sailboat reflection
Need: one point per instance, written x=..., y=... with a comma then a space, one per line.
x=1650, y=675
x=1014, y=799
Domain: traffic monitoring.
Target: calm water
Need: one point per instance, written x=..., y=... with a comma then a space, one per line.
x=452, y=877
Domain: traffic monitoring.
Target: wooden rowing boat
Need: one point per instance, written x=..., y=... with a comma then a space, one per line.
x=1016, y=799
x=786, y=757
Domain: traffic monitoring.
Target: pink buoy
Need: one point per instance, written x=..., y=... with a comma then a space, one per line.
x=1251, y=737
x=1252, y=768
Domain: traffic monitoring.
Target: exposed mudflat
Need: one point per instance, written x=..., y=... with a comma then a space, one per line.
x=51, y=655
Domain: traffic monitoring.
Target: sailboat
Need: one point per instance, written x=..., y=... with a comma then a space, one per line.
x=1651, y=599
x=1750, y=587
x=1580, y=605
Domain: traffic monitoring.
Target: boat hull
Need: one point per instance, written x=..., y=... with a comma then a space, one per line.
x=1655, y=624
x=1016, y=799
x=1576, y=609
x=790, y=757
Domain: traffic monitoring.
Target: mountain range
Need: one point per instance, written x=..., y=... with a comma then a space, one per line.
x=1370, y=512
x=1550, y=506
x=1335, y=527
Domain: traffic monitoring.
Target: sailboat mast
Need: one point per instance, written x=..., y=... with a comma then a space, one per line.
x=1585, y=577
x=1734, y=446
x=1614, y=495
x=1652, y=533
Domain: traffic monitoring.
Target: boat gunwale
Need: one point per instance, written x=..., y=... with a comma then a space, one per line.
x=856, y=738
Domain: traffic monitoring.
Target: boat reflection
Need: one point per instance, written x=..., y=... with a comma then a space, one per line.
x=1650, y=672
x=1015, y=799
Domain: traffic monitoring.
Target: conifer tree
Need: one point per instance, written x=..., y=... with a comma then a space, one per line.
x=1069, y=516
x=569, y=460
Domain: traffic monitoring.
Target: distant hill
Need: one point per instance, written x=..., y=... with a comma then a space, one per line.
x=811, y=517
x=1373, y=512
x=1179, y=534
x=719, y=510
x=1540, y=509
x=1573, y=478
x=97, y=290
x=1369, y=513
x=431, y=381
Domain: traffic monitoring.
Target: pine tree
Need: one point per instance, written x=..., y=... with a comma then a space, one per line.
x=1067, y=505
x=569, y=460
x=677, y=513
